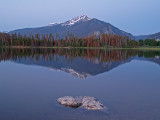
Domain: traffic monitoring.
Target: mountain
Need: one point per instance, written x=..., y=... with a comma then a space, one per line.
x=152, y=36
x=141, y=37
x=81, y=26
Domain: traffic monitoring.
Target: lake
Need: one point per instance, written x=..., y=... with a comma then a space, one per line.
x=127, y=82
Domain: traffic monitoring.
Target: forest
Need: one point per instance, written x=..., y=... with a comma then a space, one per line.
x=70, y=40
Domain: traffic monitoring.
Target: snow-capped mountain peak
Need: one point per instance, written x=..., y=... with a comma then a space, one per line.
x=76, y=20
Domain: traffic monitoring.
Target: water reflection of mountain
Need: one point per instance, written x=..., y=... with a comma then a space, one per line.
x=80, y=67
x=155, y=60
x=78, y=62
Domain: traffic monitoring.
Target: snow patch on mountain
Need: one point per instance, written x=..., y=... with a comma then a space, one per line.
x=72, y=21
x=76, y=20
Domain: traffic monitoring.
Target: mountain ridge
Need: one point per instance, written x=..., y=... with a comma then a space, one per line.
x=81, y=26
x=151, y=36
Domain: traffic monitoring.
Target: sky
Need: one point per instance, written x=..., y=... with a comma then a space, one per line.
x=139, y=17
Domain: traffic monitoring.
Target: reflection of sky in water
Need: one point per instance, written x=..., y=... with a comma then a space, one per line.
x=131, y=91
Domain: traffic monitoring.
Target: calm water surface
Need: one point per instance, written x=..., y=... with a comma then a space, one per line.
x=126, y=81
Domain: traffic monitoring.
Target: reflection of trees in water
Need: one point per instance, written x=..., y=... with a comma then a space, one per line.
x=100, y=55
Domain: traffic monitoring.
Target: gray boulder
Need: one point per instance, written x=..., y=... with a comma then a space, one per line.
x=69, y=101
x=89, y=103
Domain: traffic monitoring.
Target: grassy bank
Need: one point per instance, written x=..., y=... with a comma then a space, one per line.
x=29, y=47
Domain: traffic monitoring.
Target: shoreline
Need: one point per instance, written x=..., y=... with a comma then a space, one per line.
x=29, y=47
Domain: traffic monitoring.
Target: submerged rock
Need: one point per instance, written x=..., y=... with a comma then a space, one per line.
x=89, y=103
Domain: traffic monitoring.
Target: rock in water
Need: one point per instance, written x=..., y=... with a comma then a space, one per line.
x=91, y=103
x=86, y=102
x=69, y=101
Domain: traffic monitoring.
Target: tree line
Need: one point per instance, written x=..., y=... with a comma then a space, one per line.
x=70, y=40
x=149, y=42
